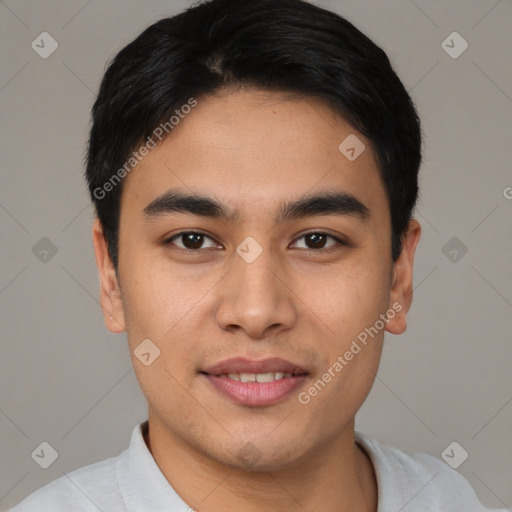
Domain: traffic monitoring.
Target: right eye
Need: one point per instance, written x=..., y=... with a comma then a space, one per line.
x=190, y=240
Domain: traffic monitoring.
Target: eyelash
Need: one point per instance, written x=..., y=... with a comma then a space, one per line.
x=339, y=242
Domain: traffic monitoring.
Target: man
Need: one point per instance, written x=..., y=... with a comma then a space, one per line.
x=254, y=166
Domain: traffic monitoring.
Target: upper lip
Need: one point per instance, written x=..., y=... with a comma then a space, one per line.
x=244, y=365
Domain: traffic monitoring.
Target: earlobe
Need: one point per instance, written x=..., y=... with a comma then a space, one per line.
x=110, y=293
x=401, y=288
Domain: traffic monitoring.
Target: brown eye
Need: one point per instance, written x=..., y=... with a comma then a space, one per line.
x=190, y=240
x=317, y=241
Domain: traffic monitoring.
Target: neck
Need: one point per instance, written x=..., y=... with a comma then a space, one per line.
x=338, y=476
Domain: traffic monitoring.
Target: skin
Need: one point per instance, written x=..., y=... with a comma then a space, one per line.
x=253, y=150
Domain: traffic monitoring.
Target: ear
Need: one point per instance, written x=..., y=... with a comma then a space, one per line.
x=110, y=292
x=401, y=290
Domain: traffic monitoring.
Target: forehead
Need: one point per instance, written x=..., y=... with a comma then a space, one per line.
x=251, y=147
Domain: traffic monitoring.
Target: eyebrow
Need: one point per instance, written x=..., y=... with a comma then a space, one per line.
x=323, y=203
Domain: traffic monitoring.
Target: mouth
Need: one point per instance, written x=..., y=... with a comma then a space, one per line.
x=255, y=383
x=256, y=377
x=242, y=365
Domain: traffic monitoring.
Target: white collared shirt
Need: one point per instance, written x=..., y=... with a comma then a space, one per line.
x=132, y=481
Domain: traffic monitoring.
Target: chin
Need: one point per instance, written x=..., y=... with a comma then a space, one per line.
x=262, y=455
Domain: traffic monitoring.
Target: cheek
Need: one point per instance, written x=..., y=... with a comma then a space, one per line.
x=154, y=296
x=156, y=309
x=161, y=304
x=349, y=299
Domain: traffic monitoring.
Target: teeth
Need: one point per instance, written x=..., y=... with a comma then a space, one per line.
x=264, y=377
x=258, y=377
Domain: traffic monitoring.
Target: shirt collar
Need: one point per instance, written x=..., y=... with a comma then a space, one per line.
x=392, y=478
x=143, y=486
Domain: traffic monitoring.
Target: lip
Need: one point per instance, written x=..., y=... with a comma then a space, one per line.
x=244, y=365
x=255, y=394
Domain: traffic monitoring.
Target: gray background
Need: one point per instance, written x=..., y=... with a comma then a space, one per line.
x=66, y=380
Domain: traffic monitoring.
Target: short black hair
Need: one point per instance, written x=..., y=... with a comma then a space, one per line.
x=287, y=46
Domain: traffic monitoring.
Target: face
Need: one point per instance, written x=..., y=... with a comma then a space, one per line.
x=279, y=275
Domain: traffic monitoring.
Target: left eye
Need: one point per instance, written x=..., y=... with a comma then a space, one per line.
x=192, y=240
x=317, y=241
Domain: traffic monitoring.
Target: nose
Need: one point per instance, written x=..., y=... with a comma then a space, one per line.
x=257, y=298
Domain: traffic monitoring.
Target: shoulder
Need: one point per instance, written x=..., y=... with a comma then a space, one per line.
x=87, y=489
x=418, y=481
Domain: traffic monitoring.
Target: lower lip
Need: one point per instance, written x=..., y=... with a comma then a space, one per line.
x=256, y=393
